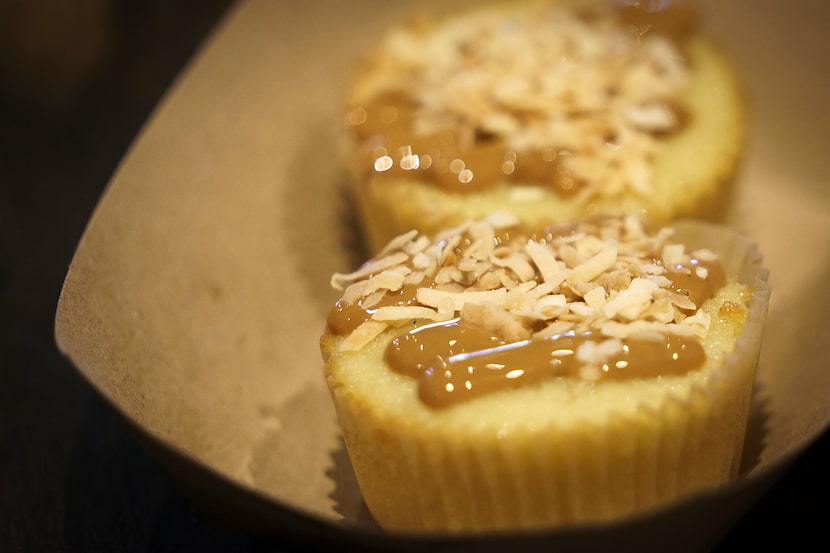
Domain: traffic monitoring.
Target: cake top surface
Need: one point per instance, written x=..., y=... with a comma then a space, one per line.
x=587, y=93
x=610, y=276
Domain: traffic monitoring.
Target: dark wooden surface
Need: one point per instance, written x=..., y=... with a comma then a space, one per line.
x=71, y=477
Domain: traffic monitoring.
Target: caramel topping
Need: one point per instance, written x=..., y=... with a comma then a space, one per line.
x=344, y=318
x=495, y=306
x=455, y=362
x=390, y=148
x=687, y=279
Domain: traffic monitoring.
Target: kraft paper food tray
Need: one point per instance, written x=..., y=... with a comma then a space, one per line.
x=199, y=289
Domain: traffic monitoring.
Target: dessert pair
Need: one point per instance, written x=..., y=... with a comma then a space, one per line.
x=536, y=340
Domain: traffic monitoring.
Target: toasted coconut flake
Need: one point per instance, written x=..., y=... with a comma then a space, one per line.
x=615, y=280
x=662, y=237
x=544, y=259
x=481, y=230
x=467, y=264
x=674, y=254
x=423, y=261
x=661, y=311
x=517, y=263
x=495, y=319
x=592, y=245
x=506, y=279
x=518, y=300
x=632, y=301
x=552, y=300
x=596, y=353
x=481, y=249
x=582, y=288
x=362, y=335
x=681, y=301
x=581, y=309
x=399, y=242
x=651, y=269
x=391, y=313
x=448, y=274
x=620, y=330
x=373, y=299
x=453, y=235
x=414, y=278
x=340, y=280
x=571, y=257
x=417, y=246
x=435, y=298
x=549, y=286
x=555, y=328
x=634, y=228
x=592, y=268
x=595, y=297
x=699, y=322
x=659, y=280
x=387, y=280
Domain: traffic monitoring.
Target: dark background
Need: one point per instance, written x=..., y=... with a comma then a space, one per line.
x=77, y=81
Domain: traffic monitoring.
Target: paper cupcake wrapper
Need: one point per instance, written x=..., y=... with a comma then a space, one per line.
x=416, y=481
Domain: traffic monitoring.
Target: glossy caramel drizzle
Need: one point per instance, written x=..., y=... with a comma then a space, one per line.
x=685, y=279
x=383, y=127
x=454, y=362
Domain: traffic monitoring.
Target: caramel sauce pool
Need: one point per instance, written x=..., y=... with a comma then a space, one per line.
x=384, y=129
x=473, y=363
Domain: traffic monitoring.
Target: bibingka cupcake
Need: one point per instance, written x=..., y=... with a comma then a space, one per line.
x=551, y=111
x=501, y=377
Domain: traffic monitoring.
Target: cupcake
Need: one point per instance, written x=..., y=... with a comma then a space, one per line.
x=500, y=377
x=550, y=111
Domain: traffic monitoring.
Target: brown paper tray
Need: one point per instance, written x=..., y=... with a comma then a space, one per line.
x=199, y=289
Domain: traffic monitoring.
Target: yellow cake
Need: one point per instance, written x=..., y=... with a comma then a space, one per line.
x=549, y=110
x=496, y=378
